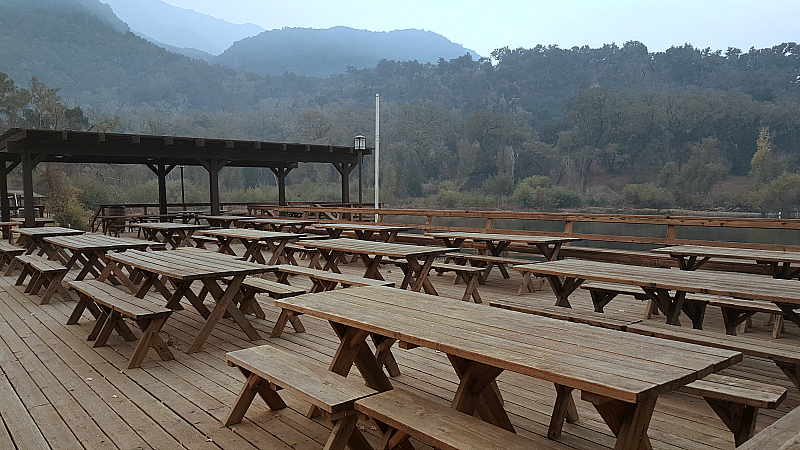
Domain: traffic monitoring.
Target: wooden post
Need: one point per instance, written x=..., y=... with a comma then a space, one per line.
x=345, y=170
x=27, y=189
x=161, y=170
x=281, y=173
x=213, y=186
x=5, y=207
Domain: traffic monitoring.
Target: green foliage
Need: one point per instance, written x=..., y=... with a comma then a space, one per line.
x=649, y=195
x=62, y=203
x=692, y=182
x=780, y=194
x=765, y=165
x=538, y=192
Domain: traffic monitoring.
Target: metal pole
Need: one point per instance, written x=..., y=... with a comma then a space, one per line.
x=377, y=151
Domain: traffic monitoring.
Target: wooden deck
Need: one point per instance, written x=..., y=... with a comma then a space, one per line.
x=56, y=391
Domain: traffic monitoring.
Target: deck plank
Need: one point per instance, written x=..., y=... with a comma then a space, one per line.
x=180, y=403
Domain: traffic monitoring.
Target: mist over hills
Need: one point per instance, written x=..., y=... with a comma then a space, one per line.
x=180, y=28
x=323, y=52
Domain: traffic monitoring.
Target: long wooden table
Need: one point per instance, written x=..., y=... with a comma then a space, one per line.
x=278, y=224
x=418, y=258
x=173, y=234
x=252, y=240
x=33, y=238
x=364, y=231
x=497, y=243
x=181, y=268
x=566, y=275
x=691, y=257
x=223, y=221
x=621, y=375
x=90, y=250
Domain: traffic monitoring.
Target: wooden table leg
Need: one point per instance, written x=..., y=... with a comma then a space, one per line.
x=628, y=421
x=472, y=393
x=563, y=288
x=419, y=274
x=354, y=350
x=224, y=300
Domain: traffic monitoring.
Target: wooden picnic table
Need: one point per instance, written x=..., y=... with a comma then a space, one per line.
x=173, y=234
x=364, y=231
x=7, y=226
x=277, y=224
x=620, y=375
x=33, y=238
x=418, y=258
x=252, y=240
x=497, y=243
x=181, y=268
x=566, y=275
x=691, y=257
x=223, y=221
x=89, y=250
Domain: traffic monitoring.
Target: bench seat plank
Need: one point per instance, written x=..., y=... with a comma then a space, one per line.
x=604, y=320
x=109, y=305
x=442, y=427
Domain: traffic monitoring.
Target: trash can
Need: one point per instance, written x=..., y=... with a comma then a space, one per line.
x=115, y=225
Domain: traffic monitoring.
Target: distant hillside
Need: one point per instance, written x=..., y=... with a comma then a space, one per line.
x=93, y=62
x=179, y=27
x=323, y=52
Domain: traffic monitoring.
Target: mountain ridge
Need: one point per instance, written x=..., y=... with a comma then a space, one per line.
x=321, y=52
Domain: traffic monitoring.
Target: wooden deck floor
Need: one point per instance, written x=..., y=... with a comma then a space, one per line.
x=56, y=391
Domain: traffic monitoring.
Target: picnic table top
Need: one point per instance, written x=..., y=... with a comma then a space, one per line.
x=247, y=233
x=361, y=226
x=522, y=238
x=189, y=263
x=49, y=231
x=729, y=284
x=169, y=226
x=604, y=362
x=733, y=253
x=224, y=217
x=96, y=242
x=375, y=247
x=278, y=221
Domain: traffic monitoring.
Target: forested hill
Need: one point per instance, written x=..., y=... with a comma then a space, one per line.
x=64, y=45
x=324, y=52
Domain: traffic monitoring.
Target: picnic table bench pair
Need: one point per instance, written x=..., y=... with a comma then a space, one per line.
x=623, y=384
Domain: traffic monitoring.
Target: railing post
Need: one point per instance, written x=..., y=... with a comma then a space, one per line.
x=671, y=232
x=489, y=223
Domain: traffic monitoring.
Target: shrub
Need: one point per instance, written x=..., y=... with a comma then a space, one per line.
x=649, y=195
x=538, y=192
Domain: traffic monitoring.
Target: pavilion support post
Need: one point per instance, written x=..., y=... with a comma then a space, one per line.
x=29, y=163
x=360, y=180
x=162, y=170
x=213, y=166
x=345, y=170
x=280, y=173
x=5, y=206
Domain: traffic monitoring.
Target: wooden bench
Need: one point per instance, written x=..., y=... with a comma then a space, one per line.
x=784, y=434
x=42, y=272
x=8, y=252
x=472, y=276
x=734, y=311
x=255, y=285
x=268, y=369
x=109, y=305
x=785, y=356
x=737, y=401
x=569, y=314
x=401, y=414
x=324, y=280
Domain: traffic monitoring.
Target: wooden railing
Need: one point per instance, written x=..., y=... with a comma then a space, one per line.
x=634, y=229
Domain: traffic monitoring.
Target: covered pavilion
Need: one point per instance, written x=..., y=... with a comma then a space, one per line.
x=29, y=147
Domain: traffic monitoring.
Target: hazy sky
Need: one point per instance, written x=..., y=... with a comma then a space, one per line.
x=489, y=24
